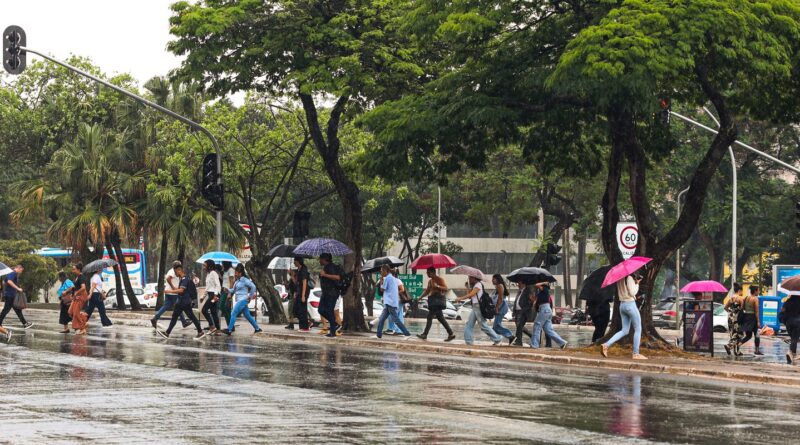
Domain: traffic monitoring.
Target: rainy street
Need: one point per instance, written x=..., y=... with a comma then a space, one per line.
x=123, y=385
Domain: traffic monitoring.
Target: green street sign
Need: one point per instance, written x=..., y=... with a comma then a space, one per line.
x=412, y=282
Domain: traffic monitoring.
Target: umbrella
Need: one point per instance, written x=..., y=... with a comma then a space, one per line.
x=5, y=270
x=283, y=250
x=435, y=260
x=468, y=271
x=218, y=257
x=591, y=290
x=531, y=275
x=316, y=246
x=704, y=286
x=624, y=269
x=375, y=264
x=281, y=263
x=96, y=265
x=788, y=287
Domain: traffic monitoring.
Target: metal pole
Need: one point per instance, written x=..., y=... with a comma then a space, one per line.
x=735, y=199
x=678, y=264
x=166, y=111
x=439, y=223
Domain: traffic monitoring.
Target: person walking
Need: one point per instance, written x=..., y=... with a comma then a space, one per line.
x=392, y=328
x=226, y=301
x=10, y=289
x=733, y=305
x=80, y=296
x=171, y=283
x=291, y=290
x=476, y=292
x=749, y=320
x=544, y=318
x=626, y=293
x=97, y=300
x=499, y=298
x=210, y=309
x=328, y=278
x=391, y=302
x=243, y=291
x=64, y=300
x=186, y=291
x=302, y=290
x=790, y=316
x=437, y=302
x=600, y=311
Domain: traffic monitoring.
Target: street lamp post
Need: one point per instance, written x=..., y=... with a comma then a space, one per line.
x=678, y=263
x=439, y=222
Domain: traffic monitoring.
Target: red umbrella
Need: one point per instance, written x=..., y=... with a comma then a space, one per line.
x=435, y=260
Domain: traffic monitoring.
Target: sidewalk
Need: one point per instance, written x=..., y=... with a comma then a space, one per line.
x=586, y=357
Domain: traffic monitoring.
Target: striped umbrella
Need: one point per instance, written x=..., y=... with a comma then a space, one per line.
x=316, y=246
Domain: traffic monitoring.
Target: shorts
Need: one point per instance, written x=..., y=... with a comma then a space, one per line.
x=338, y=304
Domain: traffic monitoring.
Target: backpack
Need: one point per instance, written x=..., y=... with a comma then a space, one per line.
x=486, y=305
x=346, y=280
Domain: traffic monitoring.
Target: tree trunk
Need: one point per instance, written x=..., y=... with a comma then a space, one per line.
x=566, y=275
x=257, y=268
x=162, y=268
x=126, y=279
x=120, y=296
x=714, y=256
x=181, y=252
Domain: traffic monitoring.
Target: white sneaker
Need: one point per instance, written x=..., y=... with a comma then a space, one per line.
x=108, y=327
x=8, y=335
x=377, y=337
x=200, y=335
x=406, y=337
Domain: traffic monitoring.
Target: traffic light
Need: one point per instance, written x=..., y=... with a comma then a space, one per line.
x=13, y=55
x=663, y=115
x=797, y=214
x=552, y=257
x=212, y=191
x=300, y=224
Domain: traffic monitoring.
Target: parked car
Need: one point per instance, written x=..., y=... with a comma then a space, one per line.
x=111, y=299
x=450, y=312
x=313, y=303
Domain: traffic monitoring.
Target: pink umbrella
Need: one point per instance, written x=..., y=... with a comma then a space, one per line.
x=624, y=269
x=704, y=286
x=468, y=271
x=435, y=260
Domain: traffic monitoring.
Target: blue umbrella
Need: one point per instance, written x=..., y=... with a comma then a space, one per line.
x=316, y=246
x=218, y=257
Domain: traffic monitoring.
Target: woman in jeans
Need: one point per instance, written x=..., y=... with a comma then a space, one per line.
x=210, y=308
x=626, y=293
x=435, y=291
x=500, y=307
x=96, y=300
x=544, y=318
x=476, y=316
x=243, y=291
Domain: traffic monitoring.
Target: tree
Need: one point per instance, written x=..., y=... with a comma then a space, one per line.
x=347, y=54
x=40, y=272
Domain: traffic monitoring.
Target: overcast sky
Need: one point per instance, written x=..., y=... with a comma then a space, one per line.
x=117, y=35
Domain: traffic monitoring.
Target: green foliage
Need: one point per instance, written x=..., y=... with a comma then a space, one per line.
x=39, y=271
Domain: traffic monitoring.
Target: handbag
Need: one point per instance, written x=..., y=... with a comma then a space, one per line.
x=20, y=301
x=436, y=302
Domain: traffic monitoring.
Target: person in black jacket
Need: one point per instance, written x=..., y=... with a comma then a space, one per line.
x=600, y=311
x=790, y=315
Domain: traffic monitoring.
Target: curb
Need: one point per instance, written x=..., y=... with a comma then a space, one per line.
x=694, y=370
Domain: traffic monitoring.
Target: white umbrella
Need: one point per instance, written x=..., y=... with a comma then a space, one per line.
x=281, y=263
x=468, y=271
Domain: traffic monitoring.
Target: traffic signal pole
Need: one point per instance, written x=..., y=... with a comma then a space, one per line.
x=157, y=107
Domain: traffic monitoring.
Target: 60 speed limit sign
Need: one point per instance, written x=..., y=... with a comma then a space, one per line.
x=627, y=238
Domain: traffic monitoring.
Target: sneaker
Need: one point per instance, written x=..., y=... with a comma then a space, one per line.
x=406, y=337
x=339, y=329
x=227, y=332
x=8, y=335
x=154, y=323
x=27, y=325
x=564, y=346
x=107, y=326
x=758, y=352
x=388, y=332
x=65, y=331
x=511, y=339
x=495, y=343
x=450, y=337
x=186, y=324
x=638, y=357
x=162, y=333
x=200, y=335
x=305, y=330
x=422, y=336
x=604, y=350
x=289, y=327
x=727, y=349
x=789, y=358
x=329, y=335
x=257, y=331
x=377, y=336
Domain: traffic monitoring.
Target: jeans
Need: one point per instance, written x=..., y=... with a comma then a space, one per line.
x=629, y=314
x=210, y=311
x=241, y=307
x=498, y=322
x=8, y=307
x=96, y=302
x=178, y=311
x=400, y=316
x=544, y=321
x=300, y=310
x=439, y=316
x=476, y=317
x=169, y=303
x=391, y=311
x=327, y=305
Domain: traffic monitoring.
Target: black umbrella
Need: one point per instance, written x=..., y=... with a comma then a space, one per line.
x=284, y=250
x=531, y=275
x=592, y=290
x=375, y=264
x=96, y=265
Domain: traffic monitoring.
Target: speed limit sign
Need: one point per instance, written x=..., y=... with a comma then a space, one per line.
x=627, y=238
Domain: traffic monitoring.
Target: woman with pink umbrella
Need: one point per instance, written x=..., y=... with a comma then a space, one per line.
x=627, y=278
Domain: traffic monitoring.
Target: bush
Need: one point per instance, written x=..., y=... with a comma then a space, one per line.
x=39, y=273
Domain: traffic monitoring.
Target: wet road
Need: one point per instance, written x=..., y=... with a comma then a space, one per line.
x=124, y=385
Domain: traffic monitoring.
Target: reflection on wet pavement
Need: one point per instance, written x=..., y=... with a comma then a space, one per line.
x=126, y=386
